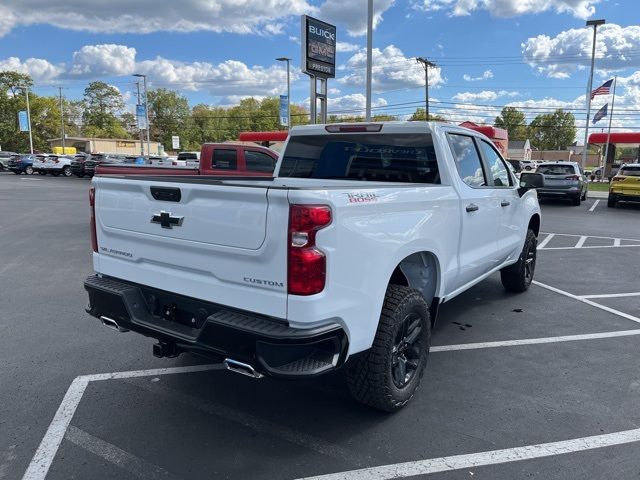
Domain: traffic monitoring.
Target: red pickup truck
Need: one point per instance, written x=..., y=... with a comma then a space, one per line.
x=215, y=159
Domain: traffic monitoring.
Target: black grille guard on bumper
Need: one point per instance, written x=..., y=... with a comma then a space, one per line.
x=270, y=345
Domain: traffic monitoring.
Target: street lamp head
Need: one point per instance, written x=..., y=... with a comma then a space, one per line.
x=595, y=23
x=139, y=75
x=283, y=59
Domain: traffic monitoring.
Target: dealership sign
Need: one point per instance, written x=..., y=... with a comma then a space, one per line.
x=318, y=48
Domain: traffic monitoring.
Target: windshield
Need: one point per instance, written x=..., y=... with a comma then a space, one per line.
x=407, y=158
x=630, y=171
x=556, y=170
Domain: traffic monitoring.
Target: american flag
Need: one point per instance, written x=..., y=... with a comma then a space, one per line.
x=602, y=89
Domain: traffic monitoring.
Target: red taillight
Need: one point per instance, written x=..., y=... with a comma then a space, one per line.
x=572, y=177
x=617, y=179
x=307, y=264
x=92, y=205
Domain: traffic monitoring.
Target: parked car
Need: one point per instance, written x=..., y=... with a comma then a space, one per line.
x=223, y=159
x=102, y=159
x=625, y=185
x=187, y=159
x=4, y=160
x=342, y=259
x=20, y=163
x=58, y=165
x=563, y=180
x=77, y=164
x=39, y=163
x=529, y=165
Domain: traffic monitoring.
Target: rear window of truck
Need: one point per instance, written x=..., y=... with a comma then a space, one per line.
x=408, y=158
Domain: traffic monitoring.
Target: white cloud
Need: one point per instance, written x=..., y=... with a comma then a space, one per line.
x=104, y=60
x=231, y=77
x=41, y=71
x=508, y=8
x=483, y=96
x=485, y=75
x=145, y=16
x=353, y=14
x=391, y=70
x=350, y=105
x=346, y=47
x=559, y=57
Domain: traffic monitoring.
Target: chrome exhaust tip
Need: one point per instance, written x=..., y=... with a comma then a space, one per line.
x=111, y=323
x=241, y=368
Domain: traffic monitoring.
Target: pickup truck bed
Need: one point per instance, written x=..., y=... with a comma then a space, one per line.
x=342, y=258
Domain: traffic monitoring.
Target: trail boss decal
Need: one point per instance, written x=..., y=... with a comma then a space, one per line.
x=360, y=197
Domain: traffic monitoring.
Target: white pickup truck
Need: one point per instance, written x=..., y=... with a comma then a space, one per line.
x=341, y=259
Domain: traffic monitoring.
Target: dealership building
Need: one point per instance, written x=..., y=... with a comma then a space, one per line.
x=106, y=145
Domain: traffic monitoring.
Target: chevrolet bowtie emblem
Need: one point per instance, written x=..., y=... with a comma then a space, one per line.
x=166, y=220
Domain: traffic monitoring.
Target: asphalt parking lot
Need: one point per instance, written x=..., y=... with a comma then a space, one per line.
x=542, y=385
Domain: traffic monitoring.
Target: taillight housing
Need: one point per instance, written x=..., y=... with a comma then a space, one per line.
x=617, y=179
x=307, y=265
x=572, y=177
x=92, y=207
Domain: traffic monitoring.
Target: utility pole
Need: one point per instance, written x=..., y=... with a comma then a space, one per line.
x=426, y=64
x=594, y=24
x=369, y=59
x=146, y=108
x=62, y=121
x=25, y=88
x=140, y=137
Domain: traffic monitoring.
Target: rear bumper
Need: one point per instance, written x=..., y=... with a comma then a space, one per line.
x=270, y=345
x=621, y=197
x=568, y=192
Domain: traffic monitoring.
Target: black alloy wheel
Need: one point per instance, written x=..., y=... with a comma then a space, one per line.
x=406, y=351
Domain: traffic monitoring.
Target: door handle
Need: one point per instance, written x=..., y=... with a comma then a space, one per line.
x=505, y=203
x=472, y=207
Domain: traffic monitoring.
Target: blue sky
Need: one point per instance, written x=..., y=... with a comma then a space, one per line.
x=528, y=53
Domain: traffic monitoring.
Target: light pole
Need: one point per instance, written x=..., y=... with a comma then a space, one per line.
x=62, y=121
x=26, y=92
x=594, y=24
x=140, y=131
x=146, y=109
x=288, y=60
x=369, y=59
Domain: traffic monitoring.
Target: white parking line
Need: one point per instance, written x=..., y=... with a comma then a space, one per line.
x=544, y=242
x=595, y=204
x=612, y=295
x=589, y=302
x=581, y=241
x=41, y=461
x=136, y=466
x=493, y=457
x=589, y=247
x=616, y=242
x=533, y=341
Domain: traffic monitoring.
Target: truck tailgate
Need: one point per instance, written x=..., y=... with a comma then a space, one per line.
x=208, y=241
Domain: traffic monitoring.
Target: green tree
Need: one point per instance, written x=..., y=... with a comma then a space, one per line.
x=514, y=122
x=553, y=131
x=420, y=115
x=169, y=115
x=103, y=104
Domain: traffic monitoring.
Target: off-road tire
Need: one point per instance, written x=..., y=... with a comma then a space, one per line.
x=369, y=376
x=517, y=277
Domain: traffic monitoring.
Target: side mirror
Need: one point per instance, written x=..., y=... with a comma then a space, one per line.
x=529, y=180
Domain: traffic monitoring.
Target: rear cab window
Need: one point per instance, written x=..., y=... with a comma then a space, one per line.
x=407, y=158
x=630, y=171
x=225, y=159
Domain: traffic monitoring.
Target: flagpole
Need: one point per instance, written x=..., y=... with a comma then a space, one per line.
x=606, y=147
